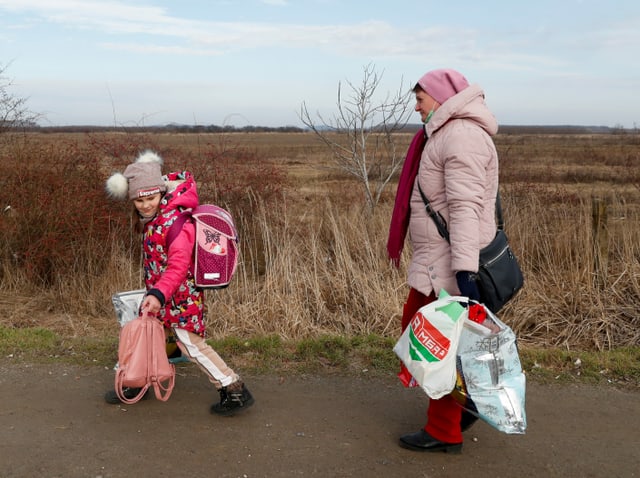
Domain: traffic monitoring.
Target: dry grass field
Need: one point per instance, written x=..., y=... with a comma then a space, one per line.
x=313, y=261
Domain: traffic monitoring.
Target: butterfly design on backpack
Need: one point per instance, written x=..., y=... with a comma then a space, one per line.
x=212, y=236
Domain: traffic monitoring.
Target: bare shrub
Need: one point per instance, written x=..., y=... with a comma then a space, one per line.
x=58, y=221
x=14, y=113
x=311, y=262
x=61, y=216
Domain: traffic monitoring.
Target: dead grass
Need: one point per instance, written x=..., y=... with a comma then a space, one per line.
x=315, y=264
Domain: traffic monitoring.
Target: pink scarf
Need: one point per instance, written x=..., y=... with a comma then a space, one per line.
x=400, y=216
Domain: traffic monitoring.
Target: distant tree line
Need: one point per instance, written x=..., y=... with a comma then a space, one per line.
x=32, y=126
x=170, y=128
x=562, y=129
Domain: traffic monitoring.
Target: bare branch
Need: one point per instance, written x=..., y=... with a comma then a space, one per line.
x=13, y=109
x=360, y=134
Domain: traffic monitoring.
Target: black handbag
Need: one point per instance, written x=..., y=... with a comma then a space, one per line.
x=499, y=275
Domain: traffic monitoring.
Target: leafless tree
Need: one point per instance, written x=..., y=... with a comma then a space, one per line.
x=360, y=134
x=13, y=109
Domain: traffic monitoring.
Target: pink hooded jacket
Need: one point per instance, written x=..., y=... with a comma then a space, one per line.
x=169, y=271
x=458, y=173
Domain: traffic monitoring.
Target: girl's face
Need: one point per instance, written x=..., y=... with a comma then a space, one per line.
x=425, y=104
x=148, y=206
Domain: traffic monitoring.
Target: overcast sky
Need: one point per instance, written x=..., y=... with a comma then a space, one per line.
x=254, y=62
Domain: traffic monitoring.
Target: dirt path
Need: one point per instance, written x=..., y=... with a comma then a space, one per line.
x=55, y=424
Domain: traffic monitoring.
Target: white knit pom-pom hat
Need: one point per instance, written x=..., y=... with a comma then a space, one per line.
x=141, y=178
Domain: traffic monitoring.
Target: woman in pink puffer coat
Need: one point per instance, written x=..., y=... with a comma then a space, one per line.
x=455, y=162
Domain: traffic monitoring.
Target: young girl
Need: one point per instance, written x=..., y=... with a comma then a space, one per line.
x=168, y=271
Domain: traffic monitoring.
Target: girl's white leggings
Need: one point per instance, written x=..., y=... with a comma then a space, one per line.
x=197, y=350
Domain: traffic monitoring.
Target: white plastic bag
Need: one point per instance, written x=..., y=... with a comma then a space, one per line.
x=127, y=305
x=428, y=345
x=491, y=383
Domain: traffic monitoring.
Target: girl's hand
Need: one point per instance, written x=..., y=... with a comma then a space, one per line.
x=150, y=306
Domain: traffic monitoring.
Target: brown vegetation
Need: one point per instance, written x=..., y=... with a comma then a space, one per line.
x=313, y=261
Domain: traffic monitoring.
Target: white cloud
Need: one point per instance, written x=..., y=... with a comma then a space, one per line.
x=371, y=39
x=158, y=49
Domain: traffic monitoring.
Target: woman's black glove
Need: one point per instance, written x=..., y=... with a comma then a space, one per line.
x=467, y=284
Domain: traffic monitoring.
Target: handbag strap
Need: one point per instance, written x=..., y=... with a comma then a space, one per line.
x=441, y=224
x=499, y=218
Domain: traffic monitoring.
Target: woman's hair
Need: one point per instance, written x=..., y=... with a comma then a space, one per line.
x=417, y=88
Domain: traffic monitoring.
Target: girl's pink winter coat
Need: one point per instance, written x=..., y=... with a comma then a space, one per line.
x=170, y=270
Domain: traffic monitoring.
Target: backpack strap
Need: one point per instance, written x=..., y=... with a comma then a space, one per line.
x=176, y=227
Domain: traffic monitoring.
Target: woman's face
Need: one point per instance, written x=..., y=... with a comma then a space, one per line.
x=425, y=104
x=148, y=206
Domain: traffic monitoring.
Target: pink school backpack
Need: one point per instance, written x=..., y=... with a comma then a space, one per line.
x=142, y=360
x=216, y=248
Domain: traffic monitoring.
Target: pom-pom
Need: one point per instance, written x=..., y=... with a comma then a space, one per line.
x=117, y=186
x=149, y=156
